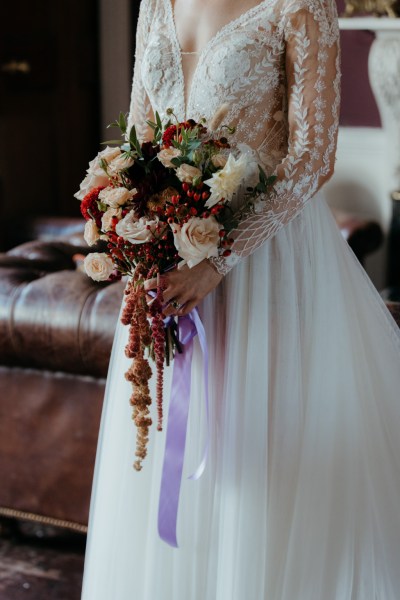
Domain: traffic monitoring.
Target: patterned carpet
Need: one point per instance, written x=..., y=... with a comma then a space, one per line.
x=39, y=563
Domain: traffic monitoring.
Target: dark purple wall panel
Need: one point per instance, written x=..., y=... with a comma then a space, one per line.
x=358, y=104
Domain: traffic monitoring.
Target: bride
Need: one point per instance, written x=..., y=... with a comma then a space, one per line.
x=301, y=492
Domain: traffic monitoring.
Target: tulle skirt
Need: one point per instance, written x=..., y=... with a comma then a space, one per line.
x=300, y=499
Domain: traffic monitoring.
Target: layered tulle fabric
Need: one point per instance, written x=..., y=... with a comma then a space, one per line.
x=300, y=499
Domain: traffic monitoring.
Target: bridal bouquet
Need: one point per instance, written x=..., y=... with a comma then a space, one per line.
x=160, y=205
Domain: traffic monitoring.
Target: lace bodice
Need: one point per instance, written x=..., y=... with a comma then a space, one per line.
x=277, y=66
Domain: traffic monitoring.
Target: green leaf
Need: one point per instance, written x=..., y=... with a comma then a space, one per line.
x=121, y=123
x=134, y=140
x=110, y=142
x=101, y=206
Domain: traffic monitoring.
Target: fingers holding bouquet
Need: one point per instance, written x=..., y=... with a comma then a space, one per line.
x=185, y=288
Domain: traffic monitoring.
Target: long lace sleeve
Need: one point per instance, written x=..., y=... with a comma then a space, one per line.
x=140, y=108
x=312, y=69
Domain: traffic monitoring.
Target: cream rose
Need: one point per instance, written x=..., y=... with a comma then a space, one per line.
x=165, y=156
x=106, y=219
x=116, y=197
x=120, y=163
x=225, y=183
x=196, y=240
x=186, y=173
x=95, y=175
x=98, y=266
x=136, y=231
x=91, y=233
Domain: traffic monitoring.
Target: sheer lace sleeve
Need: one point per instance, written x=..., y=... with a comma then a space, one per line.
x=311, y=37
x=140, y=108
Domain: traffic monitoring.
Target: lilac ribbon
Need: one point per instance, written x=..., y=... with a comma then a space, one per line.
x=188, y=327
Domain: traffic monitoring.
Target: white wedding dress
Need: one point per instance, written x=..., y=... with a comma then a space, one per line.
x=300, y=498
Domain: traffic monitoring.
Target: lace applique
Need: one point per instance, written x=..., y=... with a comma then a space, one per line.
x=277, y=66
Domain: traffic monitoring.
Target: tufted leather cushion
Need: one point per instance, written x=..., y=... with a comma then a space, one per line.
x=57, y=321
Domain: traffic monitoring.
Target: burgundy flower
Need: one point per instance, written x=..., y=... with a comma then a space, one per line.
x=168, y=136
x=89, y=208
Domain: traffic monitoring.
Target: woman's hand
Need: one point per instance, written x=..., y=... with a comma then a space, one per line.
x=185, y=287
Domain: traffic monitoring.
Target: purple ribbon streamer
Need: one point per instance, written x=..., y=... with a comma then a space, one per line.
x=188, y=327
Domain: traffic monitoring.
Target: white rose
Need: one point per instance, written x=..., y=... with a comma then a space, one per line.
x=90, y=182
x=116, y=197
x=225, y=183
x=91, y=233
x=95, y=175
x=186, y=173
x=120, y=163
x=196, y=240
x=165, y=156
x=108, y=154
x=98, y=265
x=106, y=219
x=136, y=231
x=219, y=161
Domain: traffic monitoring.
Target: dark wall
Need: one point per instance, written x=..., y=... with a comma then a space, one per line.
x=49, y=106
x=358, y=105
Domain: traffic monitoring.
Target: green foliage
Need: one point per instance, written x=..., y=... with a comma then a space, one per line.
x=157, y=128
x=134, y=142
x=121, y=123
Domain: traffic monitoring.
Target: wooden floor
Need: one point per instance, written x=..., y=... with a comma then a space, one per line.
x=40, y=563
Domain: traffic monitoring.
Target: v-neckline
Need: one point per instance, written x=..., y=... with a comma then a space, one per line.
x=187, y=93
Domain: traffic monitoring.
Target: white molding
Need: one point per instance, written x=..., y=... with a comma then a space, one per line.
x=361, y=185
x=369, y=24
x=360, y=182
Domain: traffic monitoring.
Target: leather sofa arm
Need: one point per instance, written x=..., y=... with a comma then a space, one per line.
x=51, y=255
x=59, y=321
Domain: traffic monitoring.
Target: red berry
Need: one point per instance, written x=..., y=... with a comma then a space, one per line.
x=196, y=197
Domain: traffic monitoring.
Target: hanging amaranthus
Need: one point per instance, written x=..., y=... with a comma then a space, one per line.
x=139, y=373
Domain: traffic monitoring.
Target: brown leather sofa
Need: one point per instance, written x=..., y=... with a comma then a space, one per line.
x=56, y=331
